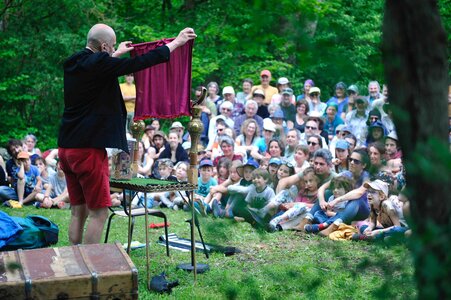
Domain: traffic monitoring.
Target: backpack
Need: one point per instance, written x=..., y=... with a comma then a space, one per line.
x=38, y=232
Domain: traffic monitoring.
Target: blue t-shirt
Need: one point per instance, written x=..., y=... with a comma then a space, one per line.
x=203, y=188
x=365, y=176
x=30, y=178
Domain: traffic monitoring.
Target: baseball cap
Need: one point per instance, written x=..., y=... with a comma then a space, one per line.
x=251, y=163
x=340, y=85
x=342, y=144
x=353, y=88
x=23, y=154
x=314, y=90
x=205, y=163
x=378, y=185
x=275, y=161
x=283, y=80
x=287, y=91
x=278, y=114
x=265, y=73
x=259, y=92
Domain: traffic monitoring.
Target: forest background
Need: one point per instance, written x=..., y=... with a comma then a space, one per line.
x=327, y=41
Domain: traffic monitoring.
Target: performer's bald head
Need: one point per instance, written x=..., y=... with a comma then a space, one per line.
x=100, y=34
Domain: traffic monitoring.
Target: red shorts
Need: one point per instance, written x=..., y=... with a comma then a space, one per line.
x=87, y=176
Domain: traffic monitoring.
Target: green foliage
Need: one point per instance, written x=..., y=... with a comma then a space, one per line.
x=328, y=41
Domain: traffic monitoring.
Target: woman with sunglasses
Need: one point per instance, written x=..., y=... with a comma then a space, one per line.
x=314, y=142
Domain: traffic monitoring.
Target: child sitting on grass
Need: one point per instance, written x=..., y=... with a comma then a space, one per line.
x=339, y=186
x=222, y=170
x=236, y=205
x=293, y=212
x=286, y=169
x=259, y=195
x=219, y=195
x=204, y=183
x=386, y=214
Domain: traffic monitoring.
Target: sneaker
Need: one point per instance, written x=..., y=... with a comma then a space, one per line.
x=360, y=237
x=239, y=219
x=311, y=228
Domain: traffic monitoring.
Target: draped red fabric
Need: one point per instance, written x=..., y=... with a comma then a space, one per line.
x=163, y=91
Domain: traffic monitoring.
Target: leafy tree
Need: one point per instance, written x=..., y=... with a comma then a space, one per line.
x=417, y=75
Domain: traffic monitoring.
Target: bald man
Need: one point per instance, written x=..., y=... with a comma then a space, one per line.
x=94, y=119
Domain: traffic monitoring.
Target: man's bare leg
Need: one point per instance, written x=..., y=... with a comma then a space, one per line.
x=94, y=229
x=77, y=223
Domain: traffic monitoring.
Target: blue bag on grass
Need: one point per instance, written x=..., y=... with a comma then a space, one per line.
x=38, y=232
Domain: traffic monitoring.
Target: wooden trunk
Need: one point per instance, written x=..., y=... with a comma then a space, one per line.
x=99, y=271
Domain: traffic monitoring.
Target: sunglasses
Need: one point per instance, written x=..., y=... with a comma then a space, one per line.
x=314, y=94
x=226, y=109
x=312, y=143
x=288, y=164
x=310, y=127
x=354, y=161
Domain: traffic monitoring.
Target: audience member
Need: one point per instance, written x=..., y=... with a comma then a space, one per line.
x=265, y=80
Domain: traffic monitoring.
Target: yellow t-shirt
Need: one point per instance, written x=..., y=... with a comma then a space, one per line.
x=269, y=92
x=128, y=90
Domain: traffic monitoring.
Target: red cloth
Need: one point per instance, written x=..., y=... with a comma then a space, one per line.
x=163, y=91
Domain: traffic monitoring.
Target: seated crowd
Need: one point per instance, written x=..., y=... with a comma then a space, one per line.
x=267, y=157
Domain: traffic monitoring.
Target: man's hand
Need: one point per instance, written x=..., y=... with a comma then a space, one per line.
x=184, y=36
x=123, y=48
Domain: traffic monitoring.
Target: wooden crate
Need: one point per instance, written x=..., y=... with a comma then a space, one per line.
x=98, y=271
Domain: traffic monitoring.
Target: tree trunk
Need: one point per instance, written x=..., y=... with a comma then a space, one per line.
x=415, y=59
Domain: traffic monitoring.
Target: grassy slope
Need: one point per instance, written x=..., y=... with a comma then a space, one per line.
x=281, y=265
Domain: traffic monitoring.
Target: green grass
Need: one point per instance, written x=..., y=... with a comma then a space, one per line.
x=281, y=265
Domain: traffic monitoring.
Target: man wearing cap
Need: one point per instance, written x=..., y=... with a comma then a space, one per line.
x=282, y=84
x=259, y=97
x=265, y=79
x=228, y=94
x=356, y=121
x=250, y=112
x=288, y=108
x=339, y=98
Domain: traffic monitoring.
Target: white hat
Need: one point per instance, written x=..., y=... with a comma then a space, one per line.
x=392, y=135
x=377, y=185
x=228, y=90
x=177, y=125
x=283, y=80
x=269, y=125
x=259, y=92
x=314, y=90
